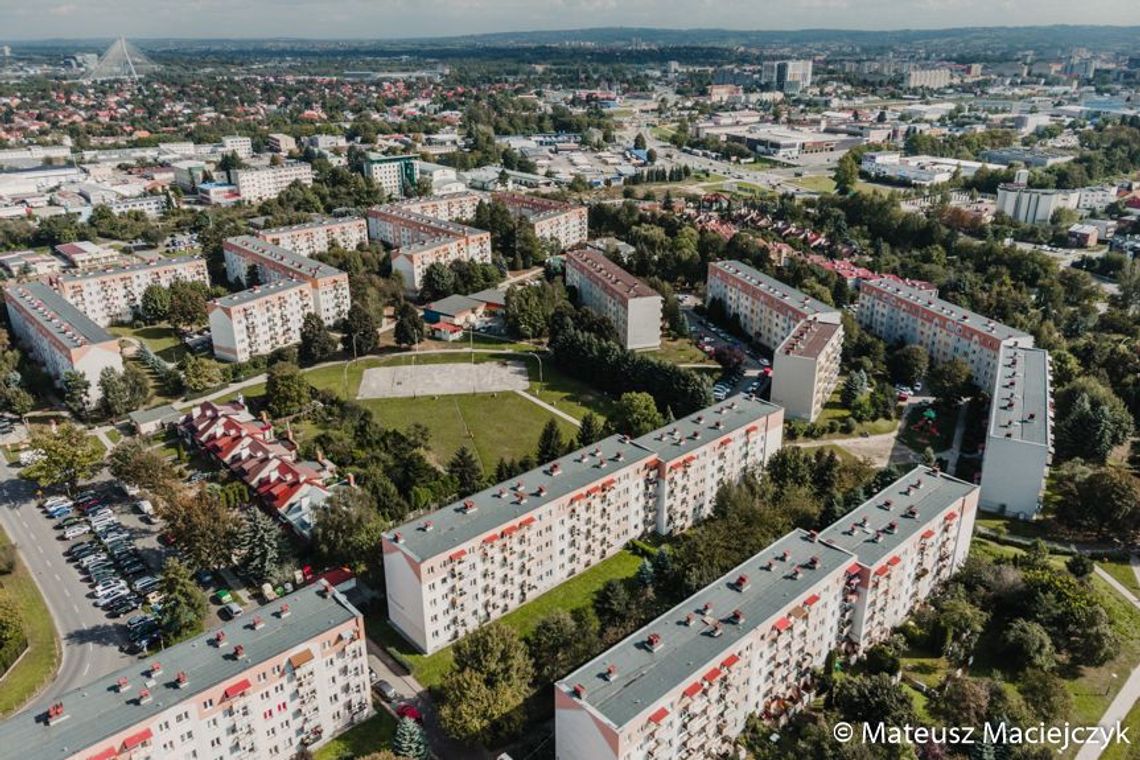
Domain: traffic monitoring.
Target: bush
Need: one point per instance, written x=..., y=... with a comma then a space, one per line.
x=848, y=425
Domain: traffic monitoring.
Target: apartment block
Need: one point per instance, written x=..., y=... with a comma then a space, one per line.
x=239, y=144
x=1019, y=441
x=684, y=685
x=60, y=337
x=257, y=185
x=934, y=79
x=395, y=175
x=898, y=313
x=330, y=296
x=259, y=320
x=283, y=677
x=114, y=295
x=804, y=334
x=1032, y=205
x=473, y=561
x=317, y=237
x=605, y=288
x=281, y=143
x=84, y=254
x=565, y=224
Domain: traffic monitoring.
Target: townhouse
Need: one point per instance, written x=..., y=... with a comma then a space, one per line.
x=114, y=295
x=605, y=288
x=475, y=560
x=317, y=237
x=257, y=185
x=283, y=677
x=564, y=224
x=259, y=320
x=60, y=337
x=684, y=685
x=329, y=285
x=1019, y=439
x=805, y=335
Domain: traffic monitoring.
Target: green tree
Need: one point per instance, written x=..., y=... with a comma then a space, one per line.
x=854, y=388
x=155, y=303
x=591, y=430
x=187, y=303
x=287, y=390
x=1046, y=696
x=137, y=385
x=635, y=414
x=949, y=381
x=317, y=343
x=77, y=393
x=115, y=398
x=348, y=530
x=872, y=699
x=259, y=545
x=1105, y=501
x=136, y=464
x=438, y=282
x=410, y=741
x=639, y=142
x=464, y=467
x=560, y=642
x=846, y=174
x=203, y=526
x=483, y=694
x=908, y=364
x=550, y=443
x=409, y=329
x=1091, y=420
x=200, y=373
x=361, y=330
x=183, y=604
x=1027, y=645
x=69, y=455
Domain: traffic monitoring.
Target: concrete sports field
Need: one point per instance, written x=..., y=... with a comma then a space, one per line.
x=443, y=379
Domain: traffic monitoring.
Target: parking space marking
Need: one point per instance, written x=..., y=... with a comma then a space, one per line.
x=57, y=578
x=39, y=548
x=67, y=592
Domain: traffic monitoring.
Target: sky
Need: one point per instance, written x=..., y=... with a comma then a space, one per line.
x=378, y=19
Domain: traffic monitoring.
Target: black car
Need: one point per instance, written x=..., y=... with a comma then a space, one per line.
x=123, y=605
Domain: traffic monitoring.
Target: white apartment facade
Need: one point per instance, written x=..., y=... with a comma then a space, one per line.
x=683, y=687
x=605, y=288
x=278, y=142
x=804, y=334
x=423, y=233
x=565, y=224
x=317, y=237
x=260, y=320
x=60, y=337
x=934, y=79
x=257, y=185
x=331, y=297
x=1030, y=205
x=472, y=562
x=114, y=295
x=284, y=677
x=396, y=175
x=1019, y=441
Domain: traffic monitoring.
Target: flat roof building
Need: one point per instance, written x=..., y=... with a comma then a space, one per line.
x=395, y=175
x=315, y=237
x=259, y=320
x=257, y=185
x=114, y=295
x=564, y=224
x=605, y=288
x=84, y=254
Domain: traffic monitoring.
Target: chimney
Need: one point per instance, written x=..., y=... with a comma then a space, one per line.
x=155, y=668
x=55, y=714
x=123, y=684
x=257, y=623
x=220, y=639
x=144, y=696
x=181, y=679
x=653, y=642
x=239, y=652
x=611, y=672
x=579, y=691
x=283, y=611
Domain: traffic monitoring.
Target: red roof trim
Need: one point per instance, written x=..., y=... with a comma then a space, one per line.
x=693, y=689
x=713, y=674
x=136, y=739
x=457, y=555
x=811, y=600
x=729, y=661
x=510, y=529
x=882, y=570
x=751, y=429
x=854, y=569
x=491, y=538
x=236, y=689
x=659, y=715
x=927, y=534
x=950, y=516
x=782, y=624
x=106, y=754
x=894, y=560
x=528, y=520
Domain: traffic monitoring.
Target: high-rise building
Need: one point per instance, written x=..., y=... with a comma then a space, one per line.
x=115, y=294
x=789, y=76
x=259, y=320
x=281, y=143
x=316, y=237
x=257, y=185
x=932, y=79
x=331, y=298
x=564, y=224
x=395, y=175
x=605, y=288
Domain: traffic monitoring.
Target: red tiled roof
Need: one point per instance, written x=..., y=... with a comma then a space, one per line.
x=138, y=738
x=659, y=715
x=236, y=689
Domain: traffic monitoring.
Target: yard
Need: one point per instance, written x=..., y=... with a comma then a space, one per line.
x=161, y=339
x=835, y=410
x=577, y=592
x=921, y=431
x=370, y=736
x=24, y=679
x=680, y=351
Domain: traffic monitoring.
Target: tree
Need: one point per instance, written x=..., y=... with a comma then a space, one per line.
x=483, y=694
x=635, y=414
x=438, y=282
x=200, y=373
x=348, y=530
x=550, y=443
x=69, y=455
x=464, y=467
x=361, y=330
x=560, y=642
x=202, y=525
x=873, y=699
x=1091, y=420
x=591, y=430
x=317, y=343
x=1027, y=645
x=410, y=741
x=639, y=142
x=287, y=390
x=76, y=392
x=1045, y=694
x=136, y=464
x=949, y=381
x=846, y=174
x=187, y=303
x=259, y=544
x=1105, y=500
x=115, y=398
x=155, y=303
x=854, y=388
x=409, y=329
x=137, y=385
x=908, y=364
x=183, y=603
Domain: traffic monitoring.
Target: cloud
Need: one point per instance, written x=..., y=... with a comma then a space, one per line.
x=63, y=10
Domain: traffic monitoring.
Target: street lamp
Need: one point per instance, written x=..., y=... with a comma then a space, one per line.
x=353, y=335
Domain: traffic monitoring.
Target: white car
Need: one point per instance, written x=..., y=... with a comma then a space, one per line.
x=77, y=530
x=109, y=587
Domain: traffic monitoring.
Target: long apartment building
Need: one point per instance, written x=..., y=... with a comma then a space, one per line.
x=605, y=288
x=60, y=337
x=1019, y=440
x=475, y=560
x=564, y=223
x=259, y=320
x=423, y=232
x=257, y=185
x=114, y=295
x=331, y=298
x=805, y=335
x=284, y=677
x=316, y=237
x=684, y=685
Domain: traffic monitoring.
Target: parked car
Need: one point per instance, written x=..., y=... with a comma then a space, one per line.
x=407, y=710
x=138, y=621
x=75, y=531
x=108, y=587
x=57, y=513
x=232, y=610
x=387, y=691
x=111, y=598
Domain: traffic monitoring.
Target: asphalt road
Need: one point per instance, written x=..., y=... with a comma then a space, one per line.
x=90, y=640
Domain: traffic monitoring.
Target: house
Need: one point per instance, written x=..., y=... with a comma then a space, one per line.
x=457, y=310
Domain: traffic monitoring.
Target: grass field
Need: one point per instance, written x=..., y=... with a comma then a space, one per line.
x=834, y=410
x=680, y=351
x=917, y=441
x=819, y=183
x=161, y=339
x=41, y=659
x=577, y=592
x=1120, y=750
x=370, y=736
x=1123, y=573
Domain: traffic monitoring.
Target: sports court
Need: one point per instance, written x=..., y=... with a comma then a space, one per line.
x=443, y=379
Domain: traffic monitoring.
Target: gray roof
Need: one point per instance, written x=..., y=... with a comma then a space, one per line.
x=156, y=414
x=948, y=310
x=303, y=265
x=159, y=263
x=794, y=297
x=496, y=296
x=453, y=304
x=732, y=414
x=1021, y=399
x=644, y=677
x=55, y=314
x=257, y=292
x=313, y=225
x=97, y=711
x=928, y=491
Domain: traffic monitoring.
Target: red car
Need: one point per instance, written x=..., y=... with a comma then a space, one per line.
x=407, y=710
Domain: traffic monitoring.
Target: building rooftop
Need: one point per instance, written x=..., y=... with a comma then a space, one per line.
x=313, y=225
x=303, y=265
x=770, y=285
x=56, y=315
x=948, y=310
x=454, y=304
x=258, y=292
x=97, y=710
x=159, y=263
x=867, y=530
x=644, y=676
x=1022, y=401
x=614, y=279
x=690, y=433
x=809, y=338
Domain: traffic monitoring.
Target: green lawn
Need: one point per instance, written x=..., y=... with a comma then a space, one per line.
x=161, y=339
x=39, y=663
x=820, y=183
x=1122, y=751
x=370, y=736
x=680, y=351
x=577, y=592
x=834, y=410
x=917, y=440
x=1123, y=573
